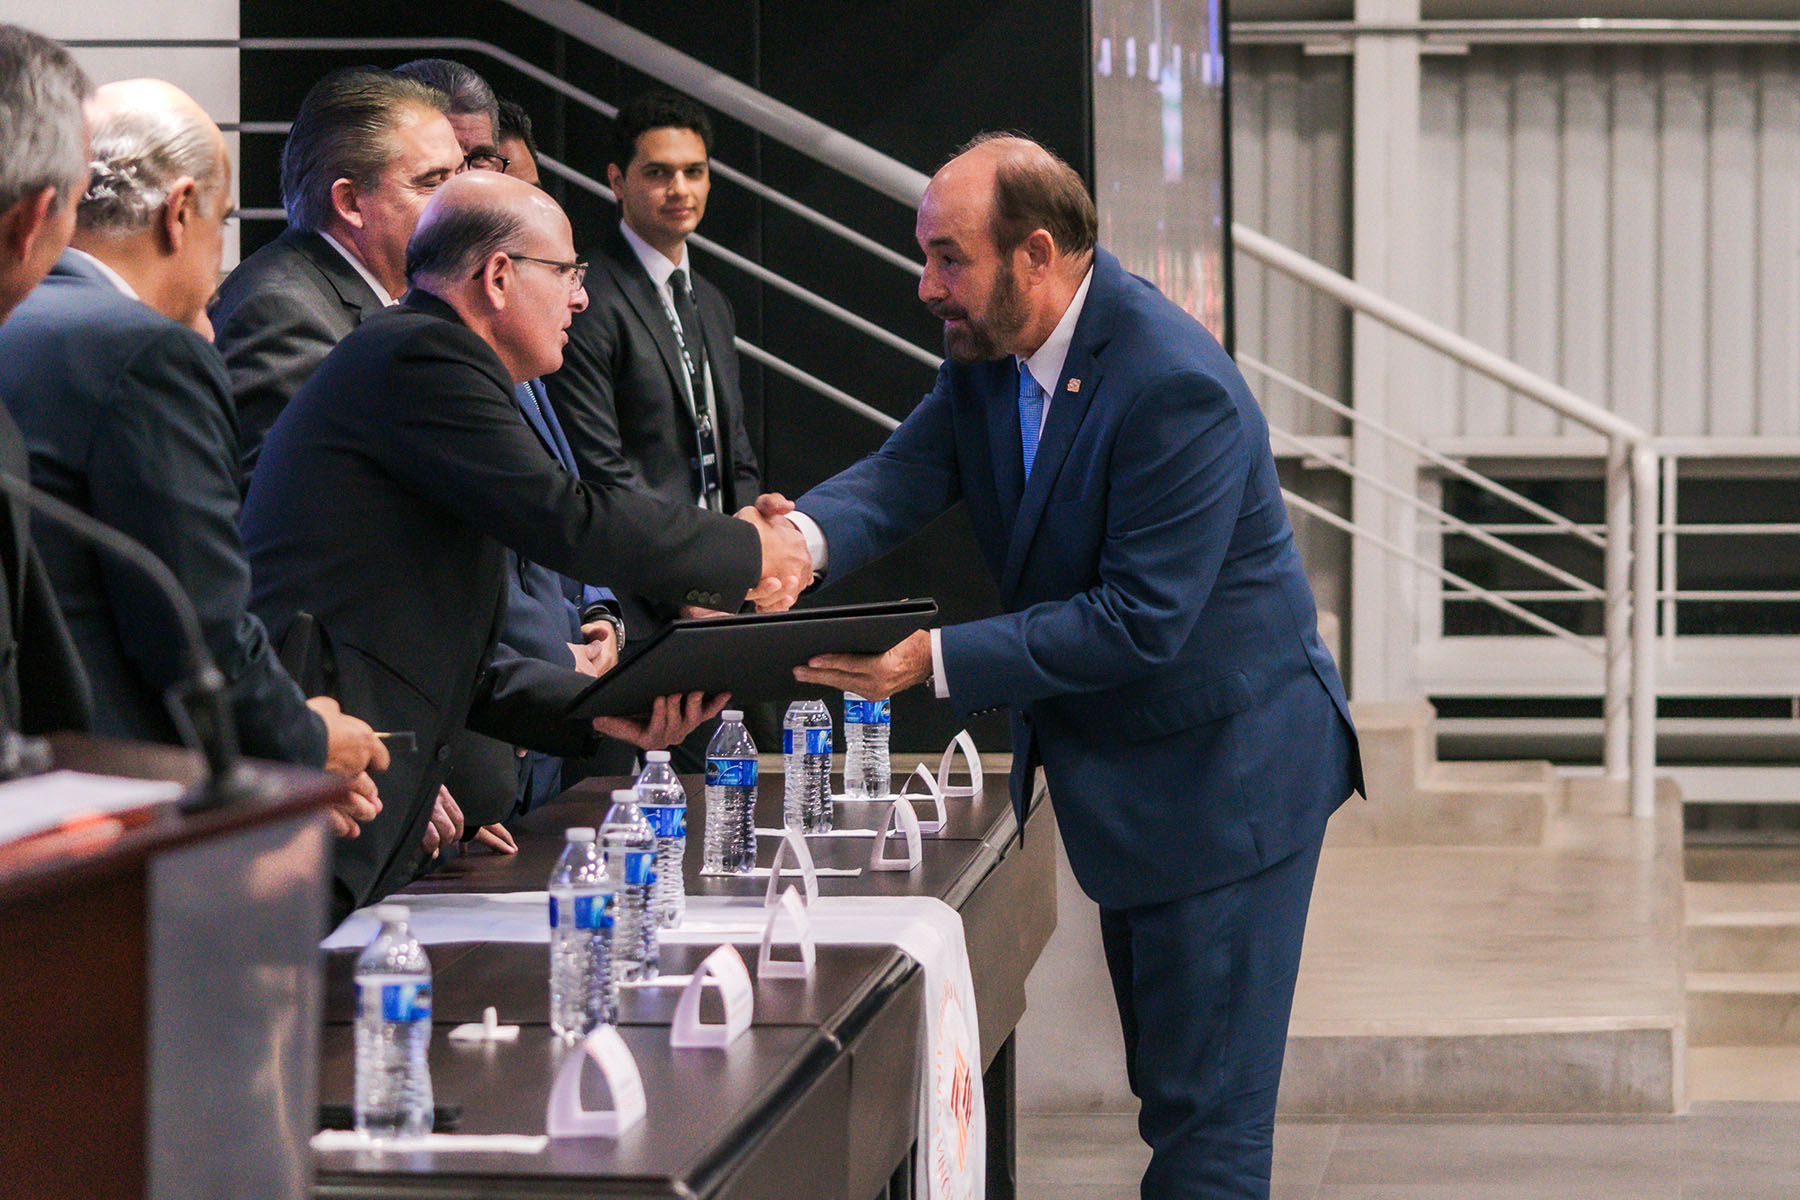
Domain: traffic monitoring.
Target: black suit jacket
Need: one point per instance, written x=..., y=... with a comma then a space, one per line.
x=127, y=417
x=620, y=401
x=386, y=495
x=42, y=685
x=275, y=319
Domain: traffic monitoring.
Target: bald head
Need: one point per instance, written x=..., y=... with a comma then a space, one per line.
x=473, y=216
x=1027, y=188
x=147, y=136
x=500, y=252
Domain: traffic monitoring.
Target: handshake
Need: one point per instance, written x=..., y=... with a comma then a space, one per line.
x=787, y=567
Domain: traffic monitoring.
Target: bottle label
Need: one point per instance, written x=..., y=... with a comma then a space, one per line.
x=818, y=741
x=594, y=912
x=591, y=912
x=866, y=712
x=668, y=820
x=731, y=772
x=640, y=867
x=401, y=1002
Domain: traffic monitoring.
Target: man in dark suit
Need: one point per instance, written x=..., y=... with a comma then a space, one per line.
x=392, y=483
x=127, y=416
x=1159, y=650
x=365, y=152
x=42, y=174
x=648, y=393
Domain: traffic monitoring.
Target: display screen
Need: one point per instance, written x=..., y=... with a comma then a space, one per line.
x=1161, y=166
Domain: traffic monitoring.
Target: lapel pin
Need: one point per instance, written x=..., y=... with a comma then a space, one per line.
x=1074, y=385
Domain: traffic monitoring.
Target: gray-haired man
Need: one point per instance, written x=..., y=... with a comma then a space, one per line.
x=125, y=410
x=43, y=170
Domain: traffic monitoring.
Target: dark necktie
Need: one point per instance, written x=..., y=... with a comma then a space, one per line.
x=693, y=357
x=693, y=346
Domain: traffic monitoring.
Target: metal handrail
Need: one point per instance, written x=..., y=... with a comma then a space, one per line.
x=1471, y=589
x=1525, y=31
x=524, y=67
x=764, y=113
x=1630, y=546
x=1574, y=583
x=1460, y=470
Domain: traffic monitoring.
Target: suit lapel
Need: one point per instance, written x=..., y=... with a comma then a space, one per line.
x=640, y=293
x=353, y=291
x=1069, y=402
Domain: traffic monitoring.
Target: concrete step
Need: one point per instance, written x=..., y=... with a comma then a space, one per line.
x=1433, y=815
x=1758, y=1074
x=1743, y=1008
x=1744, y=946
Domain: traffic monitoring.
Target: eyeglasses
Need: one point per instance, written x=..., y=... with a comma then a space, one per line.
x=486, y=160
x=575, y=272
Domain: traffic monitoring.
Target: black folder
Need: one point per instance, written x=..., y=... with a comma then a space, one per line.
x=752, y=655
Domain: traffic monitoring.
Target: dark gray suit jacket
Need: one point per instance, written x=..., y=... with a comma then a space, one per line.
x=42, y=686
x=620, y=402
x=275, y=319
x=386, y=496
x=127, y=417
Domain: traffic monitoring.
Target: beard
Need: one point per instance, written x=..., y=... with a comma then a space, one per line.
x=988, y=336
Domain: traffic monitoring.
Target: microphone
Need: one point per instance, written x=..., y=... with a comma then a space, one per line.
x=201, y=707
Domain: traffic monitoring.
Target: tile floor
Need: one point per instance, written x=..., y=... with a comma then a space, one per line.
x=1715, y=1152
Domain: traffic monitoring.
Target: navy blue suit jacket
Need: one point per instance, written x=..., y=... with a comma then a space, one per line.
x=1159, y=651
x=128, y=417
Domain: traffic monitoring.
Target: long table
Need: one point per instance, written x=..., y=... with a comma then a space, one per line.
x=816, y=1100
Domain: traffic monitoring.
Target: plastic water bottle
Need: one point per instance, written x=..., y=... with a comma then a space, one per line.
x=393, y=1030
x=583, y=994
x=630, y=848
x=866, y=772
x=663, y=801
x=731, y=798
x=806, y=761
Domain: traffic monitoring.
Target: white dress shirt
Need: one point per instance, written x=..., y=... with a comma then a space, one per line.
x=1046, y=365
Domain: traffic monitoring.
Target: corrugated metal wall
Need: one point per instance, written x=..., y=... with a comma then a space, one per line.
x=1623, y=219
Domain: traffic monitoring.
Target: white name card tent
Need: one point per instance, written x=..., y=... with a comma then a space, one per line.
x=929, y=789
x=793, y=847
x=899, y=813
x=723, y=969
x=488, y=1029
x=794, y=913
x=963, y=742
x=566, y=1116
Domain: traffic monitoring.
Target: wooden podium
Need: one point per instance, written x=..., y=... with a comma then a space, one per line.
x=159, y=992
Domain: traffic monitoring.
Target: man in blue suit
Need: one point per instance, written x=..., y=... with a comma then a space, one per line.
x=1159, y=650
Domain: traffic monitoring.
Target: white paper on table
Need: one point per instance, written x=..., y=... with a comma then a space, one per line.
x=42, y=802
x=934, y=792
x=801, y=966
x=829, y=833
x=328, y=1140
x=455, y=917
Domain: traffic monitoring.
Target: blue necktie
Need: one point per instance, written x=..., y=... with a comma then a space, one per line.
x=1031, y=414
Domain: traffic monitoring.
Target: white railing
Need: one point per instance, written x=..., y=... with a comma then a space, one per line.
x=1630, y=571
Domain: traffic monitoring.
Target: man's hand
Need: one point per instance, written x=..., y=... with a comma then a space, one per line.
x=600, y=653
x=671, y=719
x=873, y=676
x=786, y=564
x=496, y=837
x=351, y=747
x=361, y=806
x=446, y=824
